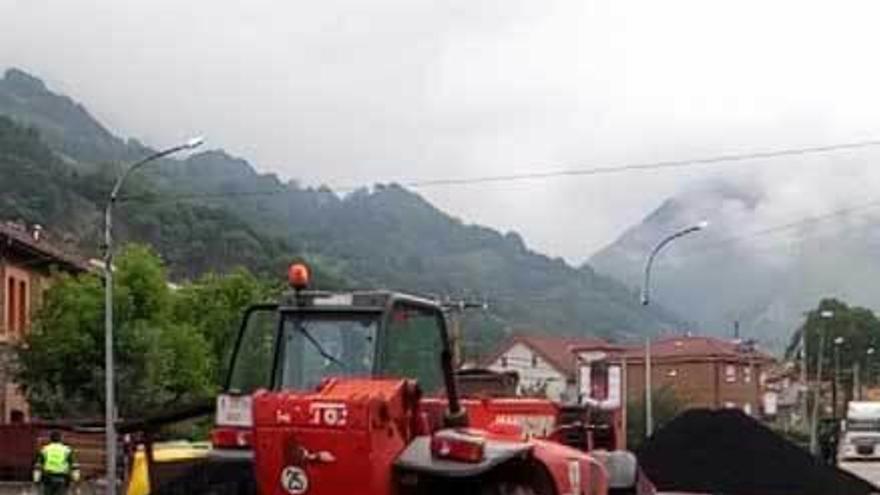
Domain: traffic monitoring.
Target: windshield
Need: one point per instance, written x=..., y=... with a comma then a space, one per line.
x=315, y=346
x=321, y=346
x=863, y=425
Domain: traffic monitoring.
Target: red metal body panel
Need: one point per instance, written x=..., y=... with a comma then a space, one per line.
x=573, y=471
x=344, y=437
x=533, y=417
x=341, y=439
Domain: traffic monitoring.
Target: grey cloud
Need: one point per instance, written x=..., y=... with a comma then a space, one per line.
x=348, y=92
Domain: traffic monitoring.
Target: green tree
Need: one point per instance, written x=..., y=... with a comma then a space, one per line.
x=159, y=361
x=214, y=305
x=859, y=328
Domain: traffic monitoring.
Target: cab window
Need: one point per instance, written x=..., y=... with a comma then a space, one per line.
x=413, y=346
x=252, y=360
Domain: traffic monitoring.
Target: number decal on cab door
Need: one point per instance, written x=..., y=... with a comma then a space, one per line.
x=328, y=414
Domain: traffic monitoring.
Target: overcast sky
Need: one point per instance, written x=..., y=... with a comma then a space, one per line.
x=351, y=92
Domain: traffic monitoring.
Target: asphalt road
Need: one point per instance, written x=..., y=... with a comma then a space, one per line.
x=869, y=470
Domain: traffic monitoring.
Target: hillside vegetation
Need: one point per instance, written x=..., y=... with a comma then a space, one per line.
x=213, y=212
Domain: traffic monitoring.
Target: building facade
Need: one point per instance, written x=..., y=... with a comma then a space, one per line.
x=28, y=263
x=546, y=365
x=702, y=372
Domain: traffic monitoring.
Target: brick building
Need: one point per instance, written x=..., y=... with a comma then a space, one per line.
x=702, y=372
x=27, y=264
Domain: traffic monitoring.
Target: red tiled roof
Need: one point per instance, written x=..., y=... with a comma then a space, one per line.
x=18, y=237
x=696, y=347
x=558, y=351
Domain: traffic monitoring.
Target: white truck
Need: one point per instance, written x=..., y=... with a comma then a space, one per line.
x=860, y=432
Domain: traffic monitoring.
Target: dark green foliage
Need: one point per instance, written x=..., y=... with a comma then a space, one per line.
x=193, y=239
x=214, y=304
x=160, y=360
x=202, y=216
x=65, y=124
x=172, y=344
x=35, y=186
x=860, y=329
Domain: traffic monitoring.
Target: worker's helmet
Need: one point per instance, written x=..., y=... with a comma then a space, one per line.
x=55, y=436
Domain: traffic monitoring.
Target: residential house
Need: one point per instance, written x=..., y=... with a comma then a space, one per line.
x=785, y=396
x=28, y=262
x=701, y=371
x=546, y=365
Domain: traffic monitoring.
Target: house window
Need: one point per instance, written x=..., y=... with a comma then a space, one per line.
x=747, y=374
x=504, y=361
x=672, y=373
x=747, y=408
x=534, y=360
x=16, y=305
x=729, y=405
x=10, y=305
x=730, y=373
x=22, y=307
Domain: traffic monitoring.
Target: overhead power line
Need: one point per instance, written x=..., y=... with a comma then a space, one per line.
x=725, y=159
x=775, y=229
x=714, y=247
x=718, y=247
x=658, y=165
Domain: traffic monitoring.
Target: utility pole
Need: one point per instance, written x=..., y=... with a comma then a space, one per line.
x=649, y=413
x=857, y=381
x=835, y=385
x=624, y=399
x=814, y=427
x=805, y=375
x=456, y=308
x=456, y=339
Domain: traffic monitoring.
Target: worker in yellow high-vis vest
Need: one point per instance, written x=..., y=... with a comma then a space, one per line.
x=55, y=467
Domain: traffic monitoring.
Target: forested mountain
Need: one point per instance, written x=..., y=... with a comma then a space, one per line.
x=213, y=211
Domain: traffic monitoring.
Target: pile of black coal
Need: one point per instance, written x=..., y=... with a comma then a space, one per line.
x=728, y=452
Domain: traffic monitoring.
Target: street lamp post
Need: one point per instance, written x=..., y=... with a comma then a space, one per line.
x=814, y=424
x=838, y=341
x=660, y=245
x=109, y=386
x=649, y=408
x=805, y=375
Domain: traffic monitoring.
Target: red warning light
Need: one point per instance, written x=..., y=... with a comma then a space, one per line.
x=298, y=276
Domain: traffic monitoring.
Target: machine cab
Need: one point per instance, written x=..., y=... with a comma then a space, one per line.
x=310, y=337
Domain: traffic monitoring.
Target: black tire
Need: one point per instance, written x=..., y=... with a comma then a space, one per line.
x=507, y=488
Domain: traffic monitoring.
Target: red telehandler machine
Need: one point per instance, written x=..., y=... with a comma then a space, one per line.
x=355, y=393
